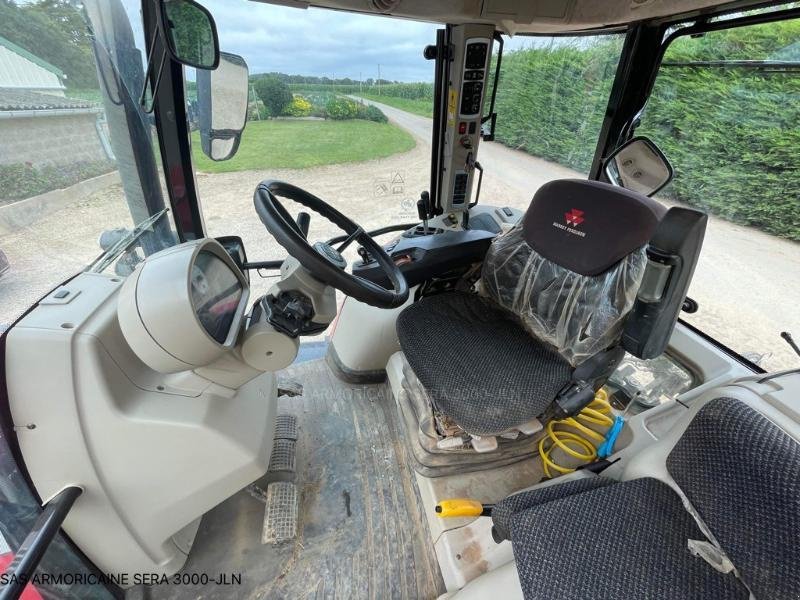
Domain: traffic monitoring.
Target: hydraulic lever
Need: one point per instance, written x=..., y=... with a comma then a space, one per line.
x=424, y=210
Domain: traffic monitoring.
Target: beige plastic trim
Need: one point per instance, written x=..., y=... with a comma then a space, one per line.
x=366, y=353
x=156, y=313
x=151, y=457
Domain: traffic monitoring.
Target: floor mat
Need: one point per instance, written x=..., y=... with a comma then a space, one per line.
x=360, y=531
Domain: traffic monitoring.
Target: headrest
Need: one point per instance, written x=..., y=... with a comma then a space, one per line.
x=588, y=226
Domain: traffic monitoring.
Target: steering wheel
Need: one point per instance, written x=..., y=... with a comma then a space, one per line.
x=323, y=260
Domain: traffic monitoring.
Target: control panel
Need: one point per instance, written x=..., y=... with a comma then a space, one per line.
x=476, y=53
x=468, y=78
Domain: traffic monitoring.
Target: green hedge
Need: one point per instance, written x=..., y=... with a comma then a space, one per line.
x=23, y=180
x=733, y=134
x=551, y=100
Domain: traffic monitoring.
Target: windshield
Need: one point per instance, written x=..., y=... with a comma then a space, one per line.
x=347, y=115
x=79, y=160
x=312, y=120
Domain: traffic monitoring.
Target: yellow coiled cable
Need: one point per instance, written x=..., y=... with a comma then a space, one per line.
x=578, y=445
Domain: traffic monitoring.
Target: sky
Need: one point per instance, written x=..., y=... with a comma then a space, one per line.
x=324, y=42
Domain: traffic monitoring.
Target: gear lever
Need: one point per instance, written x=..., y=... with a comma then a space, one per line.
x=423, y=210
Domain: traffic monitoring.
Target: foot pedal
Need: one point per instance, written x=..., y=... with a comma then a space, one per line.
x=286, y=427
x=283, y=455
x=280, y=516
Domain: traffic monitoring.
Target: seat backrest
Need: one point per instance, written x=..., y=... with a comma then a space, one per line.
x=571, y=270
x=741, y=472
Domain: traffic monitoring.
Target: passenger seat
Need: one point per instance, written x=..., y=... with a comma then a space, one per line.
x=731, y=492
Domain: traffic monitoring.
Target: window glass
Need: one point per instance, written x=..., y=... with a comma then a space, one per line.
x=318, y=115
x=311, y=122
x=79, y=164
x=550, y=105
x=725, y=110
x=79, y=167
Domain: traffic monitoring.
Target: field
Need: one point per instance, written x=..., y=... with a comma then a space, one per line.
x=417, y=106
x=297, y=144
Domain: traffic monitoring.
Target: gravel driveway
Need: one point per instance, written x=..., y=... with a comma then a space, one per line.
x=746, y=283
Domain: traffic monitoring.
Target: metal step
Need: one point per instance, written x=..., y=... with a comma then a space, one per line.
x=286, y=427
x=280, y=516
x=282, y=458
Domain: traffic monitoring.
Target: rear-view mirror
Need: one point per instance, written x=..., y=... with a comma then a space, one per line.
x=640, y=166
x=190, y=33
x=222, y=106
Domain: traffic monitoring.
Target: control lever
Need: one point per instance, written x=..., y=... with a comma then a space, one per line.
x=303, y=222
x=366, y=257
x=423, y=210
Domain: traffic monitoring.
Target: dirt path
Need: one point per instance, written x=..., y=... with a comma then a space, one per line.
x=747, y=281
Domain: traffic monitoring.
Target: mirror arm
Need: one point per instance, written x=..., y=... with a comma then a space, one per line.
x=491, y=118
x=264, y=264
x=148, y=72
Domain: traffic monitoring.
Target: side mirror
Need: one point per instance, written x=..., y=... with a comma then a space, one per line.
x=638, y=165
x=190, y=33
x=222, y=106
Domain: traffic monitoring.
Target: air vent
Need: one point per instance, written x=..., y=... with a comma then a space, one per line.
x=386, y=5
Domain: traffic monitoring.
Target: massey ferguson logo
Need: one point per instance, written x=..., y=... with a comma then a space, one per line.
x=574, y=218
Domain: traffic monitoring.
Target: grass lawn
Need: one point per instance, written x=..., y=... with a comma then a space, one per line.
x=423, y=108
x=301, y=144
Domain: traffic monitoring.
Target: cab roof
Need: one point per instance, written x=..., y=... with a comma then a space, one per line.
x=532, y=16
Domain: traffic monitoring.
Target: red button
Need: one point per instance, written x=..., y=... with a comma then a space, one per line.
x=462, y=128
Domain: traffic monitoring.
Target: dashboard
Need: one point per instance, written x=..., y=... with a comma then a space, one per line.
x=215, y=294
x=184, y=307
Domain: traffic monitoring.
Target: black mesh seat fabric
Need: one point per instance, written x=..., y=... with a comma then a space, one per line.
x=596, y=538
x=560, y=284
x=478, y=364
x=615, y=542
x=742, y=474
x=504, y=511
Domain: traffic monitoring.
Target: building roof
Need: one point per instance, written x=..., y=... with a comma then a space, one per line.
x=25, y=100
x=21, y=70
x=31, y=57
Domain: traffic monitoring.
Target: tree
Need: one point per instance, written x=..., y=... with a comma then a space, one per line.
x=274, y=93
x=53, y=31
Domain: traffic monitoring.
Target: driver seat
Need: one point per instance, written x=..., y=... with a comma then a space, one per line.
x=591, y=271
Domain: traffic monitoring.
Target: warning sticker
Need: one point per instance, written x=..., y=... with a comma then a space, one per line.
x=452, y=103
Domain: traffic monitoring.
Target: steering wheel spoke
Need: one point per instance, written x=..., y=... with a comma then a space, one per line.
x=350, y=238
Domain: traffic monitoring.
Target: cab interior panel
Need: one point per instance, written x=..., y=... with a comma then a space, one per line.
x=358, y=509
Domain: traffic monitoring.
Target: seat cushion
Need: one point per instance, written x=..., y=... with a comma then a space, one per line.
x=477, y=363
x=741, y=472
x=504, y=511
x=616, y=542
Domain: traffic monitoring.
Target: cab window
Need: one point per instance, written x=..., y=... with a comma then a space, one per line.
x=725, y=110
x=551, y=100
x=344, y=125
x=79, y=159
